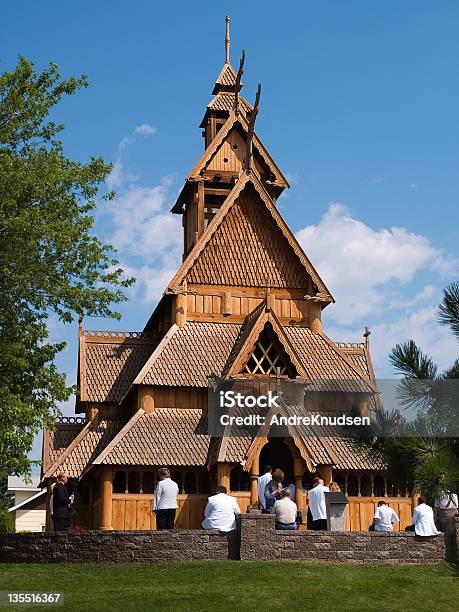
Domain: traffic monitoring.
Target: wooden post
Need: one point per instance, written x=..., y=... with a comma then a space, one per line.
x=254, y=473
x=227, y=303
x=298, y=469
x=180, y=310
x=223, y=475
x=147, y=402
x=91, y=503
x=326, y=472
x=315, y=313
x=201, y=199
x=106, y=501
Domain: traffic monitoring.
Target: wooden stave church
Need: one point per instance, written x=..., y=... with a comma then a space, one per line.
x=245, y=281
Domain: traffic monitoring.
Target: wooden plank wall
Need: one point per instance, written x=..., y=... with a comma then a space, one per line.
x=133, y=511
x=177, y=397
x=202, y=306
x=230, y=156
x=360, y=512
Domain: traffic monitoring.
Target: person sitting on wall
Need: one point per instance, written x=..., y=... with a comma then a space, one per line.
x=262, y=482
x=316, y=501
x=221, y=511
x=165, y=500
x=61, y=510
x=285, y=510
x=423, y=520
x=384, y=518
x=274, y=489
x=447, y=505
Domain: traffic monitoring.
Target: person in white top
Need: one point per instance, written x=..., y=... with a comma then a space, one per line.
x=447, y=501
x=165, y=500
x=285, y=510
x=384, y=518
x=447, y=505
x=262, y=482
x=316, y=501
x=423, y=520
x=221, y=511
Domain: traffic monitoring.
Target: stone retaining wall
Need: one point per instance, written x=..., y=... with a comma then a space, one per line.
x=118, y=546
x=256, y=540
x=260, y=541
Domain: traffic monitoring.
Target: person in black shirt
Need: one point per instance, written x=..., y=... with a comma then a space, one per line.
x=61, y=504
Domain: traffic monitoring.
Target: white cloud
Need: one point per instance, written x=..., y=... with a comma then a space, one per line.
x=418, y=325
x=145, y=129
x=117, y=176
x=152, y=280
x=142, y=223
x=363, y=267
x=147, y=236
x=369, y=272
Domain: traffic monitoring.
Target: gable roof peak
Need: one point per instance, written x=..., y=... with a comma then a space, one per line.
x=247, y=179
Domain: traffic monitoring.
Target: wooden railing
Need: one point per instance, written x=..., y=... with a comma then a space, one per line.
x=133, y=511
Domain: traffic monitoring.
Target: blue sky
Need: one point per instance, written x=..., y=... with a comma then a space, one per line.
x=358, y=108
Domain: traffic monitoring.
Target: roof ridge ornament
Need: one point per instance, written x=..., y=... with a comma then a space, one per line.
x=227, y=41
x=251, y=130
x=237, y=85
x=366, y=335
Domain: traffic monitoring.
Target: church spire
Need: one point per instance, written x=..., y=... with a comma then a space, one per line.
x=227, y=41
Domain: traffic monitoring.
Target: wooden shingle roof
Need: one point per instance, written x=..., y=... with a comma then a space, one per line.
x=190, y=354
x=226, y=79
x=56, y=441
x=166, y=436
x=255, y=255
x=84, y=448
x=109, y=364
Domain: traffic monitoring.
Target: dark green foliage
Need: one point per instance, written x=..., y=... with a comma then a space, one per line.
x=6, y=518
x=50, y=261
x=422, y=457
x=448, y=311
x=408, y=359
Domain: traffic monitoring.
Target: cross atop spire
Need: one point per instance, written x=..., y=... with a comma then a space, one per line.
x=227, y=41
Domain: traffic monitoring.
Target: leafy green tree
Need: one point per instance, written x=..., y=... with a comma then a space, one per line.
x=6, y=520
x=51, y=263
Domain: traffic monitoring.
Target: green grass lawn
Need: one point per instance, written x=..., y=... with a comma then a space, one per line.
x=229, y=585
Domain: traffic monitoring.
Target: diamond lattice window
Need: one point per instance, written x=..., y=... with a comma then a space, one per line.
x=268, y=358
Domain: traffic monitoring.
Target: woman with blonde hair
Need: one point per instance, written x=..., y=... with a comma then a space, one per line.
x=274, y=489
x=334, y=487
x=165, y=500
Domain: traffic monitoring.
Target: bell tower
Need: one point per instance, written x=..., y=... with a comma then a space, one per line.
x=231, y=146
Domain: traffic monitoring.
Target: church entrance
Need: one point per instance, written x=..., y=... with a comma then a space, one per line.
x=278, y=455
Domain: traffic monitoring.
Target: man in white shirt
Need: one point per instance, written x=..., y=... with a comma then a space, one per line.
x=423, y=520
x=384, y=518
x=316, y=501
x=221, y=511
x=165, y=500
x=447, y=505
x=262, y=482
x=285, y=510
